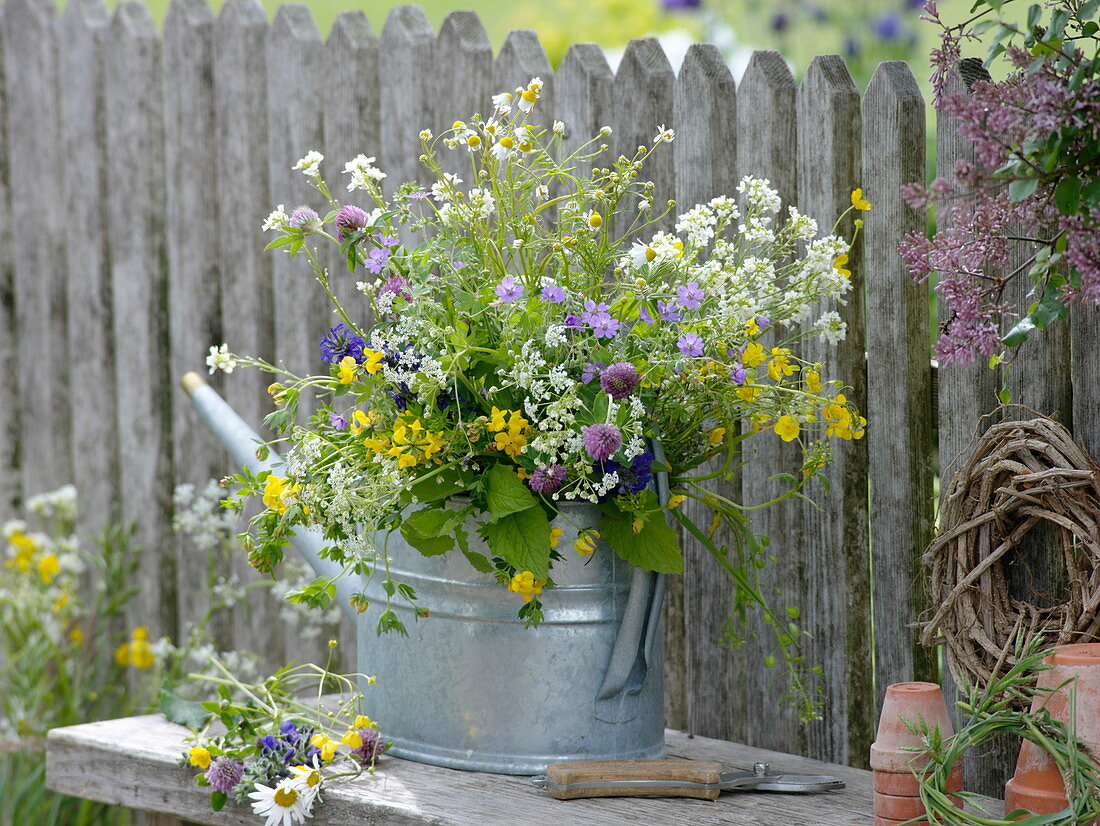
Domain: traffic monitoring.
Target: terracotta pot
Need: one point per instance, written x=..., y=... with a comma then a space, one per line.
x=901, y=808
x=914, y=702
x=906, y=784
x=889, y=821
x=1037, y=785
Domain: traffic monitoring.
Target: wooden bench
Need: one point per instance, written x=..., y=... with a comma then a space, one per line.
x=133, y=762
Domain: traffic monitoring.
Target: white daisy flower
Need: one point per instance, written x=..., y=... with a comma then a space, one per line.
x=503, y=148
x=559, y=128
x=663, y=135
x=284, y=805
x=503, y=103
x=528, y=96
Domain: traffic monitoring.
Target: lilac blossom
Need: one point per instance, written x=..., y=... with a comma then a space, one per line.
x=690, y=344
x=601, y=441
x=508, y=289
x=548, y=479
x=619, y=380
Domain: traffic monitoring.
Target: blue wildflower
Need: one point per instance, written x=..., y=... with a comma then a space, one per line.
x=340, y=342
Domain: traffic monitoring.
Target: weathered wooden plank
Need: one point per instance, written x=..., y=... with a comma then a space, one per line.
x=584, y=90
x=194, y=300
x=643, y=92
x=98, y=761
x=767, y=147
x=90, y=339
x=295, y=96
x=898, y=375
x=247, y=300
x=463, y=85
x=407, y=45
x=835, y=539
x=10, y=412
x=699, y=675
x=522, y=59
x=353, y=126
x=135, y=204
x=36, y=182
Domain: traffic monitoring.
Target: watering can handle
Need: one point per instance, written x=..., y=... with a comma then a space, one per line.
x=634, y=654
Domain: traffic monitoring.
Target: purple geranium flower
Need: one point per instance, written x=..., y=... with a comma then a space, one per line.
x=377, y=259
x=553, y=293
x=690, y=344
x=548, y=479
x=668, y=312
x=763, y=322
x=643, y=315
x=592, y=310
x=601, y=440
x=389, y=241
x=573, y=321
x=340, y=342
x=690, y=296
x=738, y=374
x=619, y=380
x=508, y=289
x=224, y=774
x=337, y=422
x=349, y=219
x=604, y=326
x=591, y=371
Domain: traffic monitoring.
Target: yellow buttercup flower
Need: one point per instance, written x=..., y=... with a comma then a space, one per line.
x=786, y=428
x=555, y=537
x=348, y=368
x=748, y=393
x=717, y=435
x=585, y=544
x=76, y=637
x=813, y=381
x=841, y=260
x=525, y=584
x=363, y=721
x=277, y=492
x=24, y=552
x=753, y=355
x=48, y=568
x=352, y=738
x=200, y=757
x=780, y=364
x=858, y=201
x=327, y=745
x=510, y=443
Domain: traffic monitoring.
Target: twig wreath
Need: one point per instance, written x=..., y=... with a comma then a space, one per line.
x=1021, y=473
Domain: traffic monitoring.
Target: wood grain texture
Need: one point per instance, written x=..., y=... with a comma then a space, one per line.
x=133, y=762
x=92, y=403
x=36, y=187
x=583, y=99
x=644, y=94
x=133, y=73
x=898, y=374
x=767, y=147
x=406, y=46
x=522, y=59
x=247, y=300
x=700, y=676
x=194, y=264
x=835, y=539
x=10, y=409
x=461, y=77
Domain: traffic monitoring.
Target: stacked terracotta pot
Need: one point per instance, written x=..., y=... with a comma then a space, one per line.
x=897, y=789
x=1037, y=785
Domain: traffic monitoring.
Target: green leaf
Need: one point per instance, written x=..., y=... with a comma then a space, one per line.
x=655, y=548
x=479, y=561
x=1090, y=28
x=1022, y=188
x=522, y=539
x=1019, y=333
x=431, y=530
x=1005, y=396
x=280, y=242
x=1049, y=309
x=506, y=494
x=218, y=800
x=1092, y=193
x=1067, y=195
x=183, y=712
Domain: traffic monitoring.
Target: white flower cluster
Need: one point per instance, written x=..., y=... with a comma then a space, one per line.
x=58, y=504
x=277, y=220
x=200, y=516
x=310, y=165
x=363, y=173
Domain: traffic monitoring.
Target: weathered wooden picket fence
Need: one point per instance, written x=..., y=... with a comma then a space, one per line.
x=135, y=170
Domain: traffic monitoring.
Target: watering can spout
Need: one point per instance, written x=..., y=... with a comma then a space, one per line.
x=241, y=441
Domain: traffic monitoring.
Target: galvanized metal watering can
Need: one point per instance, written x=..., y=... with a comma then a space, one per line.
x=471, y=688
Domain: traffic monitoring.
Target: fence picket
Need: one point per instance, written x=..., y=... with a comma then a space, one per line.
x=10, y=413
x=36, y=192
x=699, y=676
x=522, y=59
x=899, y=398
x=194, y=257
x=643, y=92
x=835, y=536
x=90, y=344
x=462, y=82
x=767, y=147
x=584, y=89
x=407, y=46
x=136, y=227
x=240, y=101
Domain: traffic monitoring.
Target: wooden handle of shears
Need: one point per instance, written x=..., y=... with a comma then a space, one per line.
x=634, y=778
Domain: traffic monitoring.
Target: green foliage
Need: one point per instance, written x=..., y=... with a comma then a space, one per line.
x=520, y=538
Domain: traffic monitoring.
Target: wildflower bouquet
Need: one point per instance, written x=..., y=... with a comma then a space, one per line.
x=277, y=751
x=539, y=339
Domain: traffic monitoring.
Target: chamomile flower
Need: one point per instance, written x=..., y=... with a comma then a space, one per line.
x=285, y=804
x=528, y=96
